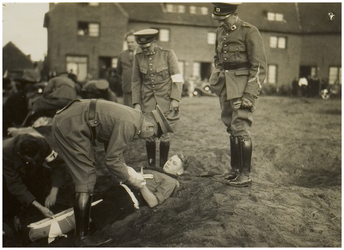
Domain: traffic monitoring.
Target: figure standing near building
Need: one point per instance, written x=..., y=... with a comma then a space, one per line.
x=156, y=80
x=303, y=84
x=125, y=68
x=78, y=127
x=240, y=63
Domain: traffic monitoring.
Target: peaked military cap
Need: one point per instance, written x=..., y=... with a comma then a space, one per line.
x=146, y=36
x=164, y=126
x=223, y=10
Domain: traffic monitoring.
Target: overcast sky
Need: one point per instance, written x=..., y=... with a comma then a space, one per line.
x=23, y=25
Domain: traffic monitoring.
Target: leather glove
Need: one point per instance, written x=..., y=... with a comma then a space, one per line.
x=247, y=104
x=174, y=105
x=237, y=104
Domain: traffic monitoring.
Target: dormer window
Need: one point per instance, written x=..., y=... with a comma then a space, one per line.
x=175, y=8
x=272, y=16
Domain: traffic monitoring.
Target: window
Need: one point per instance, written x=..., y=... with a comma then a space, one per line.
x=335, y=75
x=78, y=65
x=174, y=8
x=271, y=16
x=88, y=29
x=169, y=7
x=196, y=69
x=211, y=37
x=204, y=10
x=164, y=35
x=198, y=10
x=181, y=9
x=278, y=42
x=192, y=10
x=272, y=74
x=114, y=62
x=93, y=4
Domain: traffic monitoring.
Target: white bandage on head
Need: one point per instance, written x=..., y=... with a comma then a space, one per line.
x=53, y=155
x=177, y=78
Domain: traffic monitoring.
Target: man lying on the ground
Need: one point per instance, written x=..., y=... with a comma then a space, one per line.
x=120, y=201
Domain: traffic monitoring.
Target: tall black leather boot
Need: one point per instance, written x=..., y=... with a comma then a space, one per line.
x=235, y=158
x=245, y=152
x=164, y=149
x=82, y=212
x=151, y=149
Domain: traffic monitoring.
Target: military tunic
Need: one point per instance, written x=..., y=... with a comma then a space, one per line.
x=117, y=126
x=240, y=63
x=57, y=94
x=153, y=79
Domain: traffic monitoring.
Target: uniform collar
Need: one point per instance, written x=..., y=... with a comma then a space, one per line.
x=150, y=51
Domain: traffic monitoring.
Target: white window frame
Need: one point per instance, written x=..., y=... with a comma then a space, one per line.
x=272, y=74
x=78, y=64
x=272, y=16
x=193, y=9
x=204, y=10
x=164, y=35
x=335, y=75
x=278, y=42
x=181, y=8
x=211, y=38
x=196, y=69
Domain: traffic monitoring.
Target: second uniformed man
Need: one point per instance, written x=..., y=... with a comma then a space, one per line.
x=240, y=72
x=156, y=80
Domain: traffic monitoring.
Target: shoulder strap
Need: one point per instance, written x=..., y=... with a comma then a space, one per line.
x=92, y=121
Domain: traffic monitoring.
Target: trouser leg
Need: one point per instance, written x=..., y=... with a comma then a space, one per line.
x=164, y=149
x=151, y=149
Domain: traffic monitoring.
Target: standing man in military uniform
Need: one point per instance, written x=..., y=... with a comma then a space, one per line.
x=156, y=80
x=125, y=68
x=240, y=64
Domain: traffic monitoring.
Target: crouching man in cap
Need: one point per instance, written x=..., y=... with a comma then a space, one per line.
x=156, y=80
x=32, y=176
x=237, y=80
x=78, y=126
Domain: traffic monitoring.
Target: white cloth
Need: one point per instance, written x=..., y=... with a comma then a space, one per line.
x=55, y=231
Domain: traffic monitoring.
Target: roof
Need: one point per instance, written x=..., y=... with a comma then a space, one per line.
x=298, y=17
x=142, y=12
x=14, y=59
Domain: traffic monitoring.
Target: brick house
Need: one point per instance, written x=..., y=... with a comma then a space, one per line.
x=300, y=38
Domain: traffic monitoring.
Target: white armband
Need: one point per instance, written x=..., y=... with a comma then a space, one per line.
x=177, y=78
x=53, y=155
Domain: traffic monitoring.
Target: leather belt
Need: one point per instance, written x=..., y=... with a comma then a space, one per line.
x=229, y=66
x=92, y=121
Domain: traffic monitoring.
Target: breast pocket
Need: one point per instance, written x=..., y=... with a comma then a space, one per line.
x=163, y=71
x=237, y=53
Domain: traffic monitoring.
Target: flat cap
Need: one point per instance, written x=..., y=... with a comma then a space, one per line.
x=164, y=126
x=146, y=36
x=223, y=10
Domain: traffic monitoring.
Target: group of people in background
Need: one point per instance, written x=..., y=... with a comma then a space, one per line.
x=307, y=86
x=152, y=89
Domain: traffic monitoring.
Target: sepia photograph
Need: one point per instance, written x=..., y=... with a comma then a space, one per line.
x=175, y=124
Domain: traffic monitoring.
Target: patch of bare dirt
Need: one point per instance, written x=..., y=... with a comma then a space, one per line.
x=295, y=198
